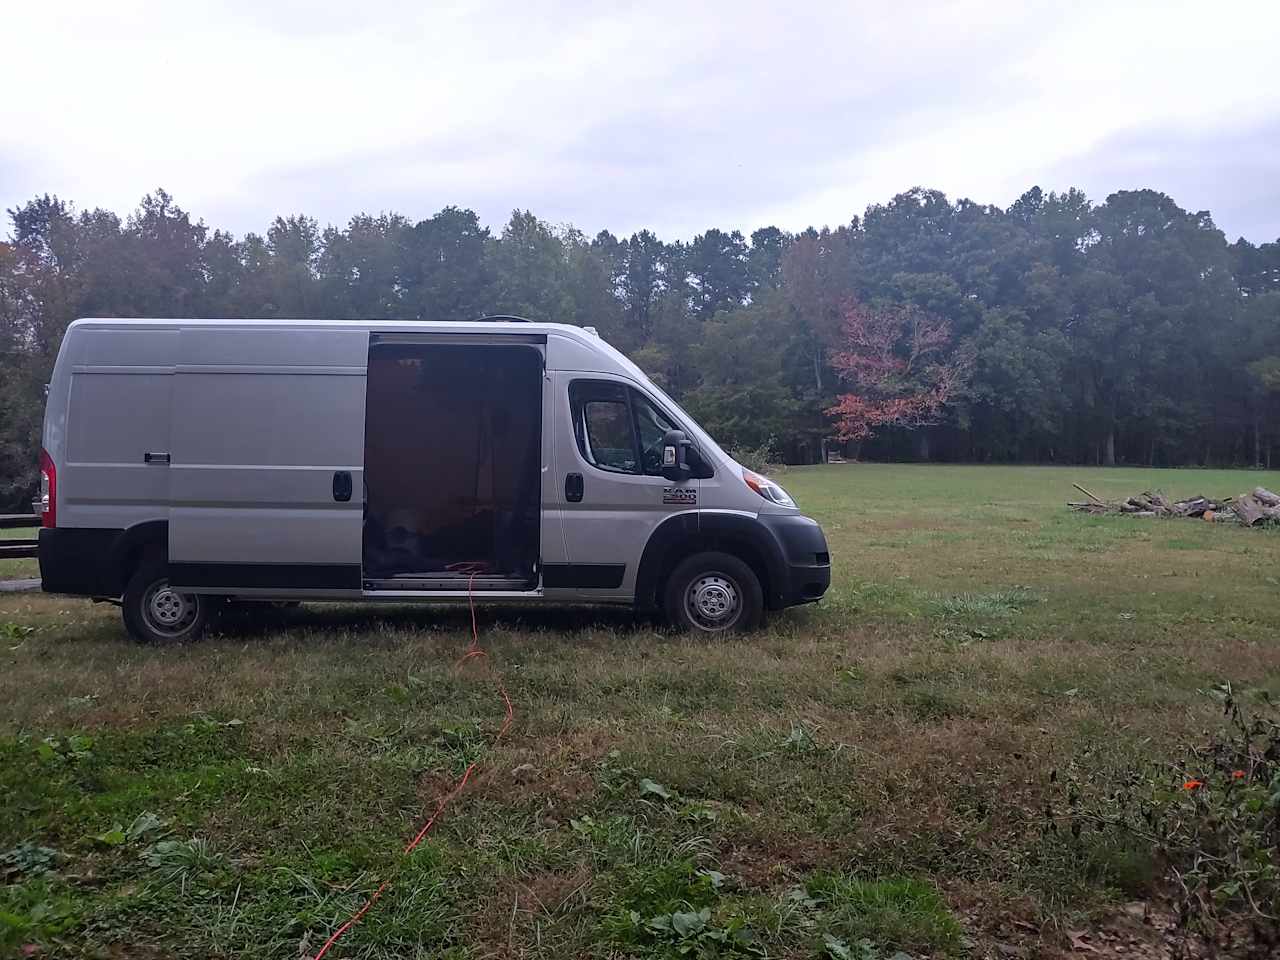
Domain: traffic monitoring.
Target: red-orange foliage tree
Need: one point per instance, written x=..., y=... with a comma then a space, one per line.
x=901, y=367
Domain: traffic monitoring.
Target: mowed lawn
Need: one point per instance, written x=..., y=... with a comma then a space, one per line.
x=862, y=777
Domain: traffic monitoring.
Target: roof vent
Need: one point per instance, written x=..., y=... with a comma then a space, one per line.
x=592, y=330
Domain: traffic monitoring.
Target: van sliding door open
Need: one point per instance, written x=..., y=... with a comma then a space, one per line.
x=453, y=458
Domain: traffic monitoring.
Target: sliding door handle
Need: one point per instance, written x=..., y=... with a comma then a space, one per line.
x=342, y=485
x=573, y=488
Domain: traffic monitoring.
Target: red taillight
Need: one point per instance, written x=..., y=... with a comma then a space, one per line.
x=48, y=491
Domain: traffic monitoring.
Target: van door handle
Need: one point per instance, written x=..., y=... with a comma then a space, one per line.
x=342, y=485
x=573, y=488
x=155, y=458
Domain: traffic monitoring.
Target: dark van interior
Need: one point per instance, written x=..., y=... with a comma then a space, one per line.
x=453, y=437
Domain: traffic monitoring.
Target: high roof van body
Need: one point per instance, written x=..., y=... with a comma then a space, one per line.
x=186, y=462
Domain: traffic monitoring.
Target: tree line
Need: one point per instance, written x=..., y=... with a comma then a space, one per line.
x=1127, y=331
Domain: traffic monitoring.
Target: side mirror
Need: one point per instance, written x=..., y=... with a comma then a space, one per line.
x=675, y=456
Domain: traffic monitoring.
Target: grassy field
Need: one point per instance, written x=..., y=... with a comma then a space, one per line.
x=862, y=777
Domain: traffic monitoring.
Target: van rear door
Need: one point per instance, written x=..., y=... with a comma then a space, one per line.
x=267, y=459
x=113, y=471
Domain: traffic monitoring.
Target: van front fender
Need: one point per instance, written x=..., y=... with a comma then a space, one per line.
x=788, y=552
x=742, y=534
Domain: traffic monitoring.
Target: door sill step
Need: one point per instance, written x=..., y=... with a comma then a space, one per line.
x=451, y=583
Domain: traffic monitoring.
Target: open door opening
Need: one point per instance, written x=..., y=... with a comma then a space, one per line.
x=453, y=466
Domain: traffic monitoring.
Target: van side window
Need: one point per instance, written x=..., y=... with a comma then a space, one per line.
x=602, y=425
x=620, y=429
x=652, y=426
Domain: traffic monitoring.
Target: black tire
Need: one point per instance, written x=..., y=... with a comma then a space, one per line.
x=713, y=593
x=153, y=614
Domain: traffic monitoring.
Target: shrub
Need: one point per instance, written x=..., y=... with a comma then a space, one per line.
x=762, y=459
x=1211, y=822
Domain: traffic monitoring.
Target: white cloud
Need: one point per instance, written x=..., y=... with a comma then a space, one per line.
x=673, y=116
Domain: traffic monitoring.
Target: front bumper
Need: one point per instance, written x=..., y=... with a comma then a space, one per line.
x=806, y=567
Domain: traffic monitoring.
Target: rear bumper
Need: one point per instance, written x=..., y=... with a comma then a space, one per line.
x=79, y=560
x=806, y=567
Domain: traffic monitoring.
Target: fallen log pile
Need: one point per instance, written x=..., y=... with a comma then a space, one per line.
x=1251, y=509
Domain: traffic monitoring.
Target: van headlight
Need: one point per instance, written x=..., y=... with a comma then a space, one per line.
x=767, y=488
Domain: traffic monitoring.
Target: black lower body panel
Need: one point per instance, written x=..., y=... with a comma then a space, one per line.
x=266, y=576
x=80, y=560
x=586, y=576
x=93, y=562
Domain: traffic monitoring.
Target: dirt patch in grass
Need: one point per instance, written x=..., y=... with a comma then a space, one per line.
x=761, y=869
x=549, y=892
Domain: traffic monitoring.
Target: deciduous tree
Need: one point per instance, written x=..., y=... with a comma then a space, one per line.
x=901, y=367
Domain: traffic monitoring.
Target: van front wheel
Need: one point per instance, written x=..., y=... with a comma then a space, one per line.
x=157, y=614
x=713, y=593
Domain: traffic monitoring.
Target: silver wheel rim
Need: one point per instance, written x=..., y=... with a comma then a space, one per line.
x=714, y=602
x=169, y=612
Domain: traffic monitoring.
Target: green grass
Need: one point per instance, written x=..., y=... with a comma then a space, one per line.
x=865, y=775
x=898, y=912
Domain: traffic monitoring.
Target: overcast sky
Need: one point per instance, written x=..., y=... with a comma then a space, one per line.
x=675, y=116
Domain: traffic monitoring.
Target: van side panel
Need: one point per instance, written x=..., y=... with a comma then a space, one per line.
x=118, y=408
x=263, y=419
x=118, y=418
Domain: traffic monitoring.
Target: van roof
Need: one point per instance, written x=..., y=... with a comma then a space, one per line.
x=587, y=336
x=481, y=325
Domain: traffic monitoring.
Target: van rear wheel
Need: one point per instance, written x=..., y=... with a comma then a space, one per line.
x=713, y=593
x=155, y=613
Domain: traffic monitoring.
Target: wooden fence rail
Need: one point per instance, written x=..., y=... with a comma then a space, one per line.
x=18, y=549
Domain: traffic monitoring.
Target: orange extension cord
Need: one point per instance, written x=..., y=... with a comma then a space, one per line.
x=473, y=651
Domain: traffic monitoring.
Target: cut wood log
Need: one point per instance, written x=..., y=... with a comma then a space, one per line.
x=1194, y=506
x=1087, y=506
x=1266, y=497
x=1088, y=494
x=1248, y=509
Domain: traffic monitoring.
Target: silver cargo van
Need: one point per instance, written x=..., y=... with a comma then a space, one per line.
x=187, y=462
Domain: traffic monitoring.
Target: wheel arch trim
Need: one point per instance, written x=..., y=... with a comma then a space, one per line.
x=133, y=540
x=731, y=531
